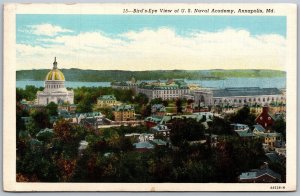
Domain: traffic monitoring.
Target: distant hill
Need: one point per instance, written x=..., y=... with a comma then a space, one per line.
x=117, y=75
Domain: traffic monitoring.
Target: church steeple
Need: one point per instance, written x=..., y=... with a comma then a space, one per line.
x=54, y=63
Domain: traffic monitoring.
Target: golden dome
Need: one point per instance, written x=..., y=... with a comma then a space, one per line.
x=55, y=74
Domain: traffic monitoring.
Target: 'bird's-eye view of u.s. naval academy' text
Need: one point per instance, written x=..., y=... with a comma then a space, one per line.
x=151, y=98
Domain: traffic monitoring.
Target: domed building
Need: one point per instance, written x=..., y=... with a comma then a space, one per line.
x=55, y=90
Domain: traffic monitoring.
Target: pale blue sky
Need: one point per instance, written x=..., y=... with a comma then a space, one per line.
x=150, y=42
x=113, y=25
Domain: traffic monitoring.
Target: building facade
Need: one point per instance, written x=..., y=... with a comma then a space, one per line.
x=247, y=95
x=239, y=96
x=265, y=119
x=165, y=90
x=126, y=85
x=123, y=112
x=203, y=98
x=107, y=101
x=55, y=90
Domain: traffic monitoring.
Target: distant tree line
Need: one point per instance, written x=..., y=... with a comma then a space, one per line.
x=111, y=75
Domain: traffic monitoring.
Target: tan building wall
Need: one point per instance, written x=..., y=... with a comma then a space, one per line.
x=123, y=115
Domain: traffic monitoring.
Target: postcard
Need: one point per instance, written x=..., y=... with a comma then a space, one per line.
x=149, y=97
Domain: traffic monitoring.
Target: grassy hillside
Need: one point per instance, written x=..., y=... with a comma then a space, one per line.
x=112, y=75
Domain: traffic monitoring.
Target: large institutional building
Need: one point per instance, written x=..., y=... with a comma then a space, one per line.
x=172, y=89
x=236, y=96
x=239, y=96
x=55, y=90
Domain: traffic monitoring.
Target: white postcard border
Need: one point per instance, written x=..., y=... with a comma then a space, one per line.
x=9, y=119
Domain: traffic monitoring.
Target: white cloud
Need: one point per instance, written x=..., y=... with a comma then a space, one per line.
x=47, y=29
x=158, y=49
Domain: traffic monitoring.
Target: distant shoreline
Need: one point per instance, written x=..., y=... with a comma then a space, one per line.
x=78, y=75
x=266, y=82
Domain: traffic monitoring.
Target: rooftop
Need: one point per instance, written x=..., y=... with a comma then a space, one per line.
x=245, y=91
x=107, y=97
x=123, y=108
x=147, y=145
x=259, y=128
x=158, y=85
x=159, y=142
x=255, y=173
x=244, y=134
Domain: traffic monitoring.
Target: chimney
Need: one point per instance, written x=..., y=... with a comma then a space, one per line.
x=265, y=110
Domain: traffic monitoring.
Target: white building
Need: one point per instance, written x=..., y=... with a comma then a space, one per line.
x=55, y=90
x=172, y=89
x=239, y=96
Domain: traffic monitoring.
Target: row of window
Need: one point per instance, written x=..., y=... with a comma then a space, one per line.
x=175, y=92
x=165, y=96
x=108, y=102
x=170, y=91
x=264, y=99
x=54, y=86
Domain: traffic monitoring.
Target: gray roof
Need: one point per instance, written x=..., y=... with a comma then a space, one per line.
x=244, y=134
x=147, y=145
x=245, y=91
x=248, y=175
x=260, y=172
x=155, y=119
x=160, y=128
x=46, y=130
x=158, y=107
x=259, y=128
x=255, y=173
x=274, y=157
x=159, y=142
x=123, y=108
x=107, y=97
x=176, y=84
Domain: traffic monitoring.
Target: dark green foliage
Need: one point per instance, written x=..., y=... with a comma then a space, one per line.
x=52, y=109
x=141, y=99
x=86, y=97
x=243, y=116
x=219, y=126
x=146, y=111
x=184, y=130
x=29, y=93
x=111, y=75
x=159, y=101
x=179, y=103
x=20, y=112
x=280, y=126
x=108, y=112
x=111, y=157
x=41, y=120
x=84, y=106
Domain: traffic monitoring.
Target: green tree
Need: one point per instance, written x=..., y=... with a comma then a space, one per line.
x=184, y=130
x=29, y=93
x=108, y=112
x=67, y=137
x=41, y=119
x=146, y=110
x=179, y=106
x=243, y=116
x=156, y=101
x=141, y=99
x=19, y=114
x=52, y=109
x=219, y=126
x=280, y=126
x=85, y=105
